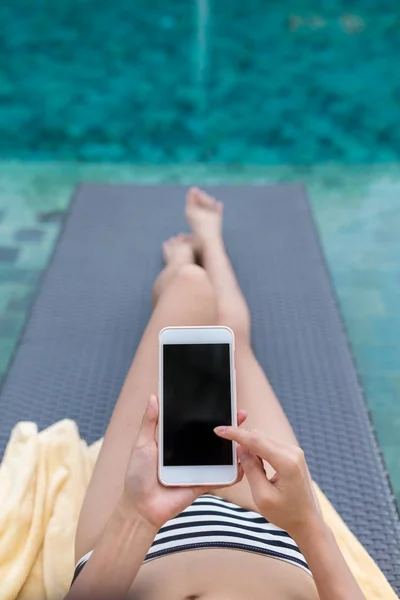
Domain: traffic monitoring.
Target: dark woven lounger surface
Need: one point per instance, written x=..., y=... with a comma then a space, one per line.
x=94, y=303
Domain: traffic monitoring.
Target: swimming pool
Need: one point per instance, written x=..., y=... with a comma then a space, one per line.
x=160, y=81
x=207, y=91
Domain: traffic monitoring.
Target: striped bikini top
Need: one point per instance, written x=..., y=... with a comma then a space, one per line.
x=211, y=522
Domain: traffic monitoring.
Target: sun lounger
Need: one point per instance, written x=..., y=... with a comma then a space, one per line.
x=94, y=303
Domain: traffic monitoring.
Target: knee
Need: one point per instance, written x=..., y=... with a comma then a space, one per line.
x=196, y=283
x=193, y=275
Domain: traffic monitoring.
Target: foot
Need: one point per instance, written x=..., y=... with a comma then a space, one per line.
x=178, y=250
x=204, y=215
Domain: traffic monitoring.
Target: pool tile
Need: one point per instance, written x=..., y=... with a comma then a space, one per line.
x=55, y=216
x=19, y=274
x=8, y=254
x=29, y=235
x=20, y=304
x=10, y=325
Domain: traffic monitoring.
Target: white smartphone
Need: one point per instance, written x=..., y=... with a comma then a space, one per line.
x=197, y=392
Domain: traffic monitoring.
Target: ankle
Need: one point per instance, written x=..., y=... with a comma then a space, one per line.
x=213, y=244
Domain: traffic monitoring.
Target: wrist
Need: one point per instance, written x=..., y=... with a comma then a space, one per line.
x=310, y=530
x=133, y=517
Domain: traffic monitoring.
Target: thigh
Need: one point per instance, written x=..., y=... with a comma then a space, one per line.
x=189, y=300
x=256, y=396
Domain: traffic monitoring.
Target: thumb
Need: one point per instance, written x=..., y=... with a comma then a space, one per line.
x=253, y=470
x=147, y=431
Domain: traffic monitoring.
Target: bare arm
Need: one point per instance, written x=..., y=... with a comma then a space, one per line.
x=117, y=558
x=332, y=576
x=288, y=501
x=145, y=505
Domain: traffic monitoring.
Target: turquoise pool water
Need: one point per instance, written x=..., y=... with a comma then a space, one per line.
x=156, y=81
x=206, y=92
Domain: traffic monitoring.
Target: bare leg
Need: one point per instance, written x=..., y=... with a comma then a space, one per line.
x=254, y=393
x=183, y=295
x=205, y=218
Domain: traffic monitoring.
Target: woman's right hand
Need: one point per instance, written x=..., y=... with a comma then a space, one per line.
x=287, y=499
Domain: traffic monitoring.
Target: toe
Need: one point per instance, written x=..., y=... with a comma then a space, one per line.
x=168, y=244
x=204, y=199
x=196, y=196
x=165, y=250
x=191, y=196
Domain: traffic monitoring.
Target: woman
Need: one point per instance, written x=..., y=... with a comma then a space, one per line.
x=261, y=538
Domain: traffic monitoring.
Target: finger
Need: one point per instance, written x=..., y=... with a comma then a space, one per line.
x=270, y=450
x=253, y=470
x=240, y=473
x=241, y=417
x=148, y=426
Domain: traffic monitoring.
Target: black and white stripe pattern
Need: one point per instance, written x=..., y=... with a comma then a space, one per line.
x=211, y=522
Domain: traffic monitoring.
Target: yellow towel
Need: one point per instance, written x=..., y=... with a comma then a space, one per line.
x=43, y=479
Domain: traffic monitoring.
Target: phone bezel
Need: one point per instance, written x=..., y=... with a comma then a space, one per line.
x=207, y=475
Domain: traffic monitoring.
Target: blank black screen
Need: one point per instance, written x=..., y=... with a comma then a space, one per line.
x=197, y=398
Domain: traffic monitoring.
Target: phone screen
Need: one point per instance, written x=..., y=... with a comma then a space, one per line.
x=197, y=398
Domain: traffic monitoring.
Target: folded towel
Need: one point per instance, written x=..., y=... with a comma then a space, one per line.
x=43, y=479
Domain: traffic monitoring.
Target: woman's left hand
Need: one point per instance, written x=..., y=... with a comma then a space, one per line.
x=142, y=490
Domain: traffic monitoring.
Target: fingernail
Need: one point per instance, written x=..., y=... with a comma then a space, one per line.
x=220, y=429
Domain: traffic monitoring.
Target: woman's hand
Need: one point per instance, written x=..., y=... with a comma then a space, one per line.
x=287, y=499
x=143, y=491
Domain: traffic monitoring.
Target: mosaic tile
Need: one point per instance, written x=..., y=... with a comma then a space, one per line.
x=8, y=254
x=20, y=300
x=29, y=235
x=18, y=275
x=9, y=325
x=56, y=216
